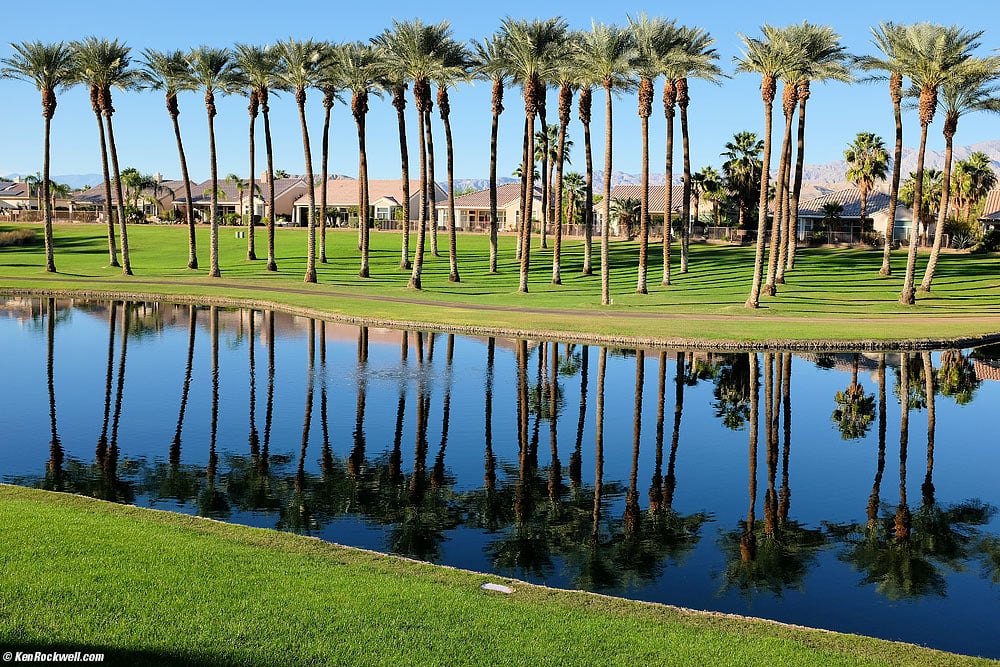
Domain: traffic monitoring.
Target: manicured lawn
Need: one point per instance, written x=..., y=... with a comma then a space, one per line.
x=148, y=587
x=831, y=294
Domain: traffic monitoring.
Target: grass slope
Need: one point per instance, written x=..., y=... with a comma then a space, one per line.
x=149, y=587
x=832, y=294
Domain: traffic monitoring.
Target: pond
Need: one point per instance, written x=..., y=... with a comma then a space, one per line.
x=855, y=492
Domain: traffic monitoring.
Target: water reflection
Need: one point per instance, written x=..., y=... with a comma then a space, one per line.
x=433, y=446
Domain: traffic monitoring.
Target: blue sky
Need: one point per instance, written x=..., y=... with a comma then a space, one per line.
x=145, y=139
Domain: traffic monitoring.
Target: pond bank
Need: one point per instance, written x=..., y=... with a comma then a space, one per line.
x=152, y=587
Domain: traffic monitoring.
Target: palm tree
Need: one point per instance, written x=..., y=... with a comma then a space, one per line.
x=566, y=78
x=971, y=180
x=237, y=182
x=214, y=70
x=358, y=65
x=824, y=59
x=50, y=68
x=490, y=62
x=411, y=51
x=330, y=81
x=929, y=55
x=609, y=55
x=575, y=189
x=742, y=171
x=769, y=58
x=867, y=162
x=583, y=113
x=697, y=60
x=855, y=409
x=530, y=50
x=626, y=210
x=168, y=71
x=105, y=64
x=712, y=190
x=455, y=66
x=301, y=64
x=654, y=39
x=930, y=196
x=886, y=37
x=256, y=66
x=975, y=87
x=397, y=82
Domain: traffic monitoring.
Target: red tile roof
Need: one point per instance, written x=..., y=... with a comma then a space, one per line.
x=656, y=196
x=506, y=193
x=344, y=191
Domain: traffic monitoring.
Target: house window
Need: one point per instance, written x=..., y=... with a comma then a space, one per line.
x=383, y=213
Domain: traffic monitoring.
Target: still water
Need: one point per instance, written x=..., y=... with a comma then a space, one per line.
x=855, y=492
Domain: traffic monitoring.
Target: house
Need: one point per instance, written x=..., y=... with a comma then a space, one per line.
x=384, y=196
x=990, y=219
x=472, y=210
x=20, y=200
x=232, y=201
x=812, y=214
x=153, y=201
x=657, y=200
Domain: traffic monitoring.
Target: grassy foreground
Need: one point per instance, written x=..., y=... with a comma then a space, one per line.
x=151, y=587
x=830, y=295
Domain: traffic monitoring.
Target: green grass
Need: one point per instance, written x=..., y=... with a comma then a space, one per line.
x=150, y=587
x=830, y=295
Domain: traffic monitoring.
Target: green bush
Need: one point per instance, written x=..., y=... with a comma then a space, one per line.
x=231, y=219
x=989, y=243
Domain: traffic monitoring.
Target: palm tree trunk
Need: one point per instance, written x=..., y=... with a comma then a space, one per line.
x=363, y=198
x=927, y=487
x=399, y=101
x=645, y=96
x=668, y=188
x=445, y=109
x=251, y=248
x=310, y=276
x=188, y=209
x=106, y=172
x=494, y=133
x=565, y=99
x=907, y=296
x=895, y=90
x=902, y=519
x=949, y=135
x=686, y=151
x=213, y=254
x=50, y=259
x=606, y=203
x=786, y=218
x=788, y=105
x=324, y=176
x=588, y=213
x=120, y=202
x=271, y=263
x=431, y=184
x=546, y=176
x=767, y=88
x=803, y=94
x=523, y=201
x=528, y=173
x=418, y=256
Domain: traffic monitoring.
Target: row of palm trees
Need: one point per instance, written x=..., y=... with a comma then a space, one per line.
x=534, y=55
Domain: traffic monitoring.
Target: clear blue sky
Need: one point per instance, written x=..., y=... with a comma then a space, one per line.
x=145, y=140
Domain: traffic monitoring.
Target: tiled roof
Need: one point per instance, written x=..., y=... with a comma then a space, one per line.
x=656, y=195
x=506, y=193
x=991, y=210
x=850, y=199
x=987, y=371
x=95, y=194
x=12, y=189
x=344, y=191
